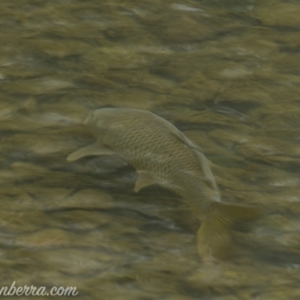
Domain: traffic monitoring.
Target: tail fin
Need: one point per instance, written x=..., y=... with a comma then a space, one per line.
x=213, y=237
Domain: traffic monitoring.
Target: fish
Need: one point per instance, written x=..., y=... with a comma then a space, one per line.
x=163, y=155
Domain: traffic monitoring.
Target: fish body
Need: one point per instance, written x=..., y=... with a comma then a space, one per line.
x=163, y=155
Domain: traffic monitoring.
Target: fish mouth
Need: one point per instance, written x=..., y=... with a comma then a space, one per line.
x=86, y=121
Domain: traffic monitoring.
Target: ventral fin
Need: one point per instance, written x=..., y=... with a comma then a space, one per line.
x=95, y=149
x=145, y=179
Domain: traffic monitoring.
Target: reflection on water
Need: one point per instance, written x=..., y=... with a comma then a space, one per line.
x=224, y=72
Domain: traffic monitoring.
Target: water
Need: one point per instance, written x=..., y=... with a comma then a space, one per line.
x=224, y=72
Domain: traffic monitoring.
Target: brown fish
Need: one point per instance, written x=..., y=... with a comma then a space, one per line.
x=163, y=155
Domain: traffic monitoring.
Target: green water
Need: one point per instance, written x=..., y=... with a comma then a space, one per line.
x=226, y=73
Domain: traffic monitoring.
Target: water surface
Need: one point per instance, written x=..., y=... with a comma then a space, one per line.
x=226, y=73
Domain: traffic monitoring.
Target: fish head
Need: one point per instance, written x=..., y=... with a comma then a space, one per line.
x=100, y=117
x=90, y=118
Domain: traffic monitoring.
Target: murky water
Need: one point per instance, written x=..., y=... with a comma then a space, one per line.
x=227, y=73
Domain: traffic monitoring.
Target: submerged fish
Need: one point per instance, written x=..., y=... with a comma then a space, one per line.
x=163, y=155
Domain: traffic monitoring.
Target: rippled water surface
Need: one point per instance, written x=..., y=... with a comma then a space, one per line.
x=226, y=73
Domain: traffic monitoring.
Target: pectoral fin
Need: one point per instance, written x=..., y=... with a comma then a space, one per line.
x=145, y=179
x=95, y=149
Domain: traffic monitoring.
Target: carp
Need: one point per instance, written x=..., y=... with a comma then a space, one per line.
x=163, y=155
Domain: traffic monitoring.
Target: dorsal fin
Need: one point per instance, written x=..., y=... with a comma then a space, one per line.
x=206, y=169
x=196, y=149
x=178, y=134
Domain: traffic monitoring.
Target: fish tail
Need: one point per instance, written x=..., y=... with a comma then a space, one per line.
x=214, y=240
